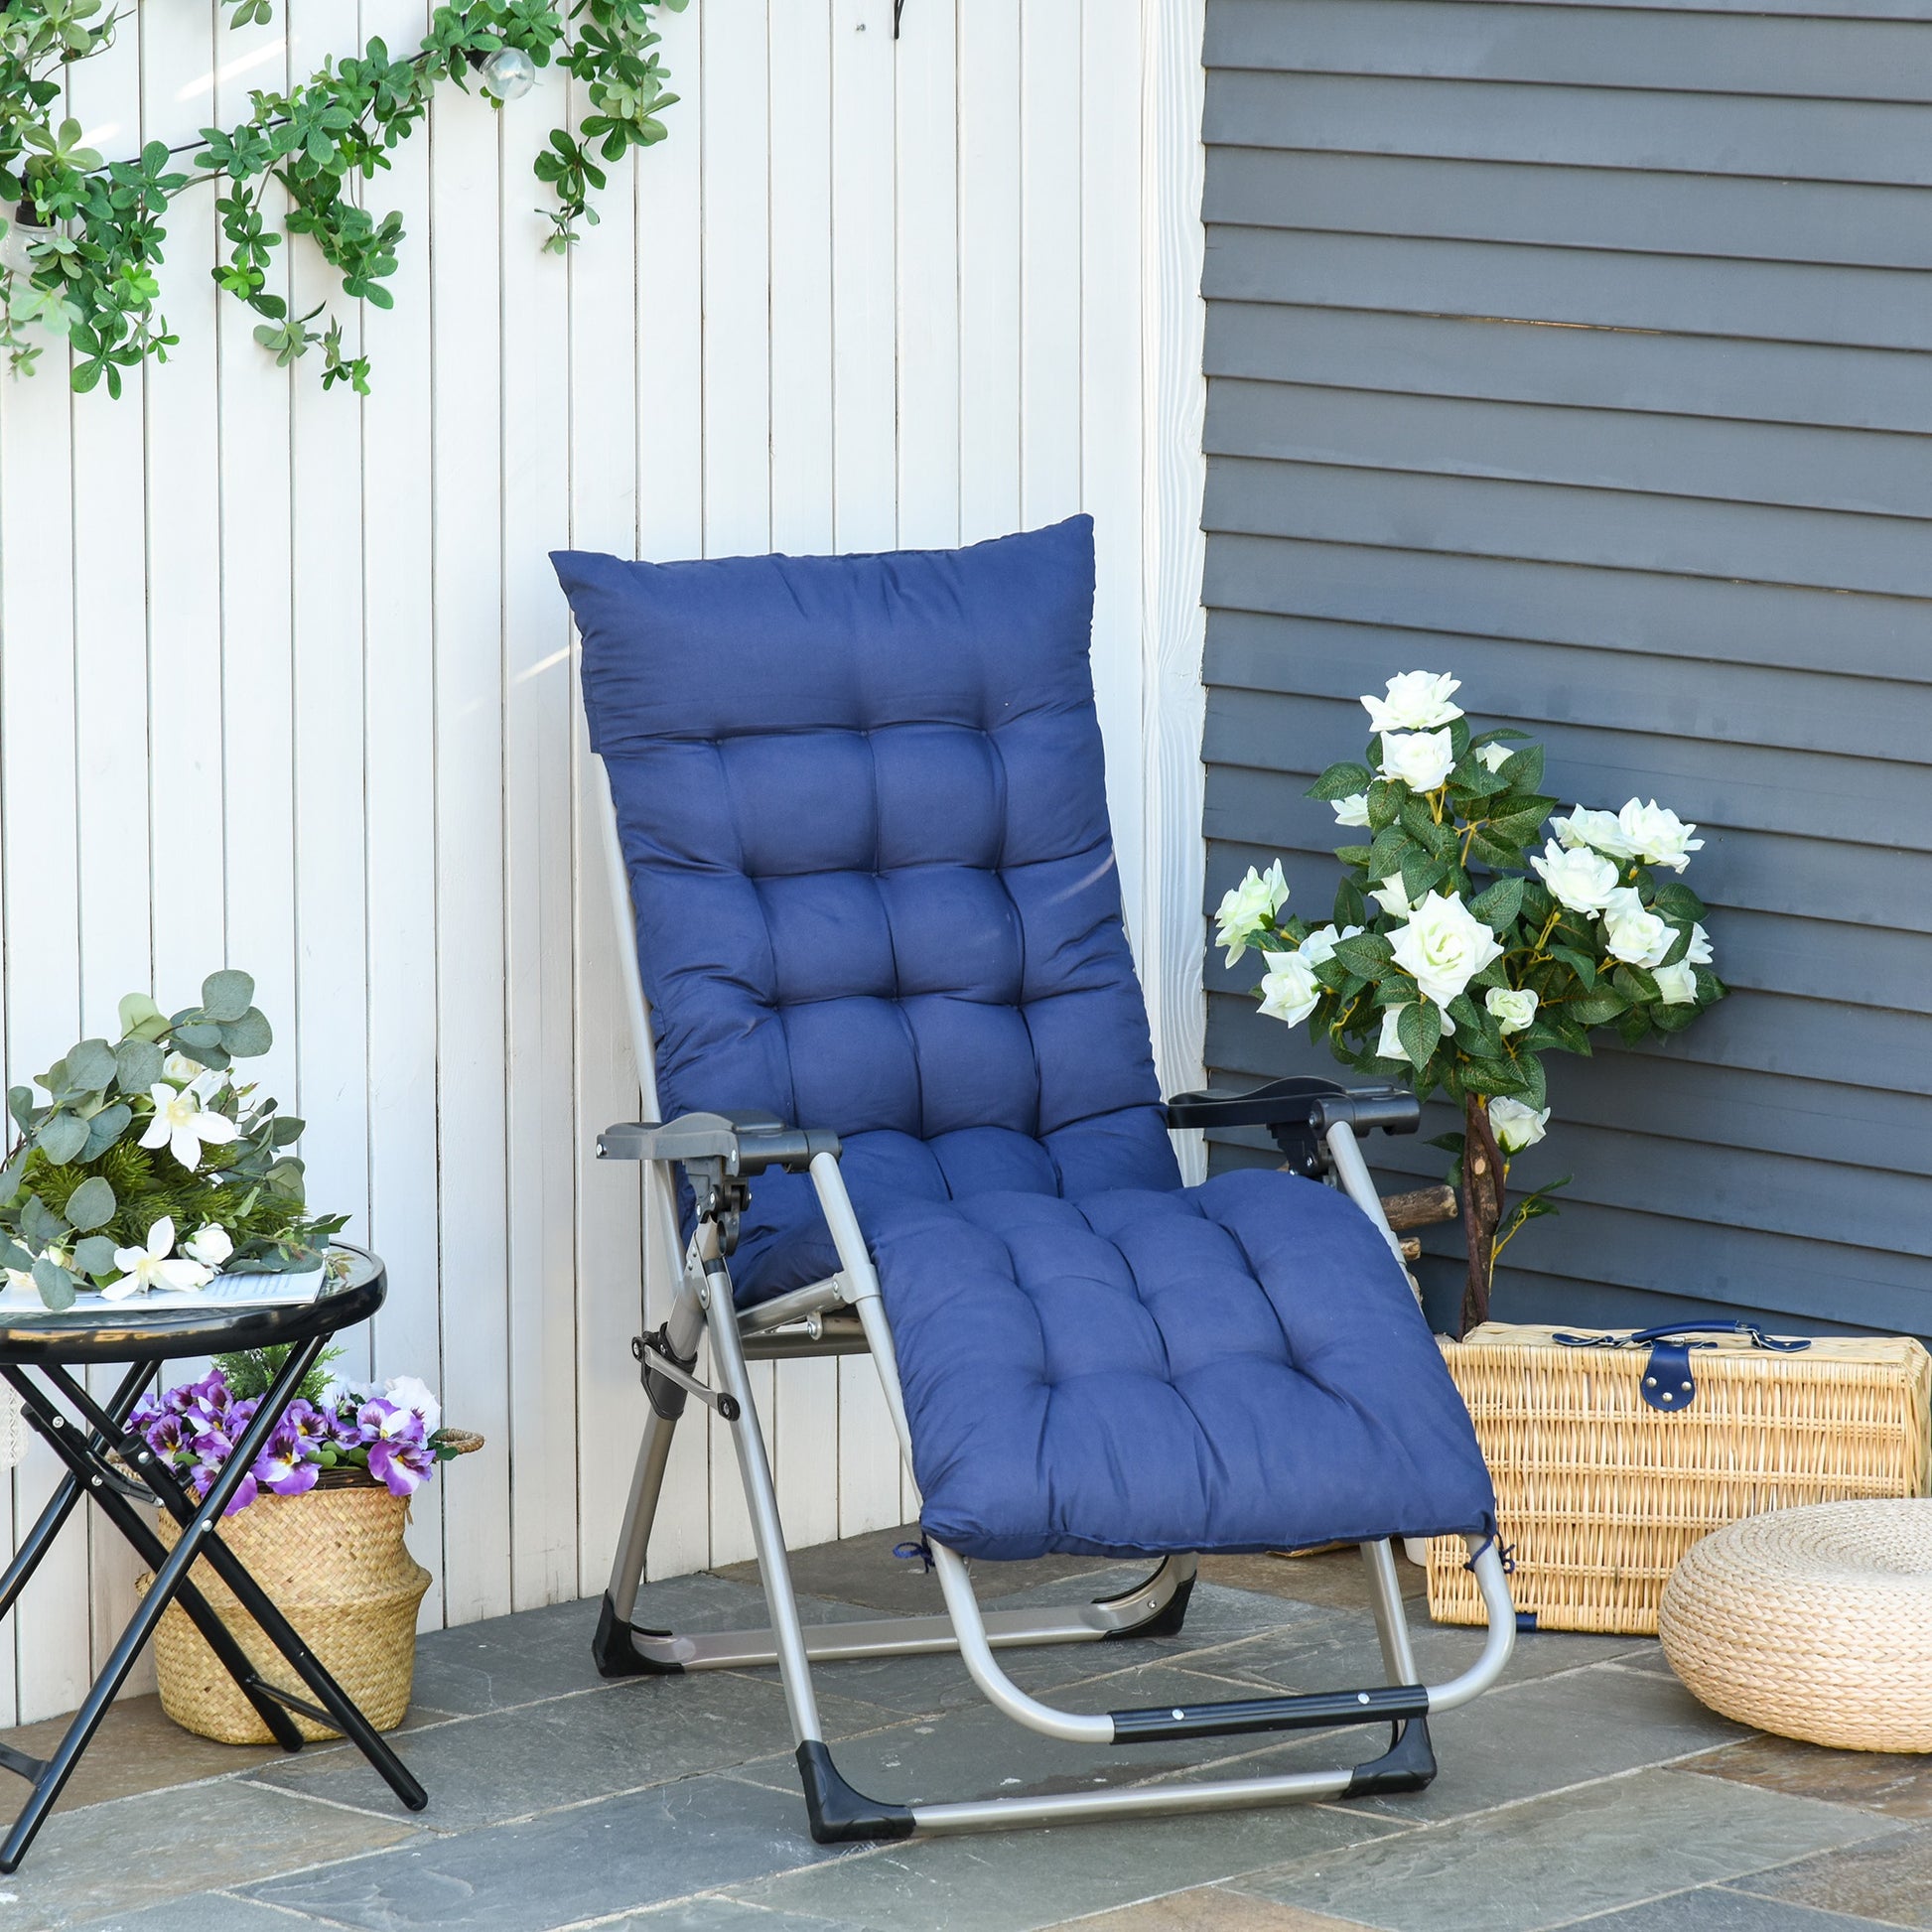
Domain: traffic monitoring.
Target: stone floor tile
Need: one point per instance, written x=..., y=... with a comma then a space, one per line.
x=982, y=1753
x=1344, y=1651
x=512, y=1660
x=510, y=1764
x=1334, y=1577
x=1011, y=1881
x=1527, y=1739
x=139, y=1747
x=205, y=1912
x=1900, y=1786
x=863, y=1570
x=134, y=1852
x=710, y=1914
x=1717, y=1908
x=591, y=1862
x=1607, y=1844
x=1209, y=1908
x=1889, y=1878
x=1647, y=1654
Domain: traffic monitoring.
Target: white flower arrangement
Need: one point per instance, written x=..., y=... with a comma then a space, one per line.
x=1457, y=955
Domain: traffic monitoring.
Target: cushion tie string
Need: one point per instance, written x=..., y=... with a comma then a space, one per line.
x=919, y=1552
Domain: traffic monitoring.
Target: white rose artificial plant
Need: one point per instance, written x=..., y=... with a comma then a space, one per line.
x=1460, y=952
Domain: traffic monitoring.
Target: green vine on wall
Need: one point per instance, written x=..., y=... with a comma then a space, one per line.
x=78, y=257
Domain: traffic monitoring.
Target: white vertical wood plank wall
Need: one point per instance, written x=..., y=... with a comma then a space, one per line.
x=286, y=682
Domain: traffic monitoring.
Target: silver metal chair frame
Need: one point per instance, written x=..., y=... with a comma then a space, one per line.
x=845, y=1315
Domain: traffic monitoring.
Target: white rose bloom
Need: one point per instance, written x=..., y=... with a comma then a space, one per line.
x=1247, y=908
x=1600, y=831
x=1492, y=758
x=1444, y=946
x=1352, y=810
x=1699, y=953
x=1678, y=984
x=1389, y=1046
x=1577, y=876
x=1420, y=760
x=1634, y=935
x=1514, y=1008
x=1416, y=701
x=1657, y=834
x=177, y=1066
x=1514, y=1125
x=210, y=1245
x=1392, y=896
x=1319, y=946
x=1291, y=991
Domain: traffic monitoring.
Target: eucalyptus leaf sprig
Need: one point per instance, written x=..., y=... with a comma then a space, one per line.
x=87, y=234
x=1457, y=956
x=146, y=1167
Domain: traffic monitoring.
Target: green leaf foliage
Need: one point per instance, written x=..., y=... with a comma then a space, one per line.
x=78, y=1176
x=56, y=1286
x=62, y=1136
x=138, y=1064
x=98, y=229
x=92, y=1202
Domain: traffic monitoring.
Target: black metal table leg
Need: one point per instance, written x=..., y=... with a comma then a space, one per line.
x=147, y=1332
x=168, y=1578
x=336, y=1705
x=39, y=1539
x=340, y=1710
x=86, y=1465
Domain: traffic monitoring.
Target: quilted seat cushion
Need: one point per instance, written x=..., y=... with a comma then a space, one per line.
x=1235, y=1366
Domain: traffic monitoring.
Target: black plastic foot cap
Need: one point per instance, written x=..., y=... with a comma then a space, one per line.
x=615, y=1655
x=840, y=1815
x=1409, y=1764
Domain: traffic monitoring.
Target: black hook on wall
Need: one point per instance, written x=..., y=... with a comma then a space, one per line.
x=899, y=7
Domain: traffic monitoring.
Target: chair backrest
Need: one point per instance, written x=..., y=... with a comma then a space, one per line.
x=862, y=808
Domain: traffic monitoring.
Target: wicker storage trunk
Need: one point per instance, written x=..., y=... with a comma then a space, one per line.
x=1600, y=1494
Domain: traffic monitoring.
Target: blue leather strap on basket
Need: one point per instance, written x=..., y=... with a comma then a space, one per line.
x=1668, y=1383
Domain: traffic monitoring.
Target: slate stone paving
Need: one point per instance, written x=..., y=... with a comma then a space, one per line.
x=1591, y=1791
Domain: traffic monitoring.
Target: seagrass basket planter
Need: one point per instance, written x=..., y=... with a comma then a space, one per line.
x=335, y=1564
x=1599, y=1495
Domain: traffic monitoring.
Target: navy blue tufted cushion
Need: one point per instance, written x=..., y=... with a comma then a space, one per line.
x=1237, y=1366
x=863, y=807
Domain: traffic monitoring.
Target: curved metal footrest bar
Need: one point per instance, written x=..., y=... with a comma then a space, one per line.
x=1153, y=1607
x=842, y=1816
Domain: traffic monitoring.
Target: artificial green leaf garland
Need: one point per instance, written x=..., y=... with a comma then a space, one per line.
x=79, y=252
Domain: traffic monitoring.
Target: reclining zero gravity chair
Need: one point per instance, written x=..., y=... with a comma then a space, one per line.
x=888, y=1025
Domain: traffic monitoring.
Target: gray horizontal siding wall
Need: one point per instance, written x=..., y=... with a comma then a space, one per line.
x=1587, y=350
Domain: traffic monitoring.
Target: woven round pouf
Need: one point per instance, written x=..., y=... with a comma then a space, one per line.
x=1814, y=1624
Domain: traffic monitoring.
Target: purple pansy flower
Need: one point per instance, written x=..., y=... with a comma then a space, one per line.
x=400, y=1464
x=283, y=1465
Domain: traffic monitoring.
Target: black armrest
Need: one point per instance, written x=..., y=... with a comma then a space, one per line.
x=1297, y=1113
x=744, y=1143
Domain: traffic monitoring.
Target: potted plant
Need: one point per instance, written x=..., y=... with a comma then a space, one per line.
x=148, y=1168
x=318, y=1521
x=1459, y=953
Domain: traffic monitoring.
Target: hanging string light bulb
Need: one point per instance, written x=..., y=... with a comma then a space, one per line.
x=508, y=75
x=22, y=231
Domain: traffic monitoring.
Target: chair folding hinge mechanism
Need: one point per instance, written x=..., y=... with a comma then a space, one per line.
x=652, y=1353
